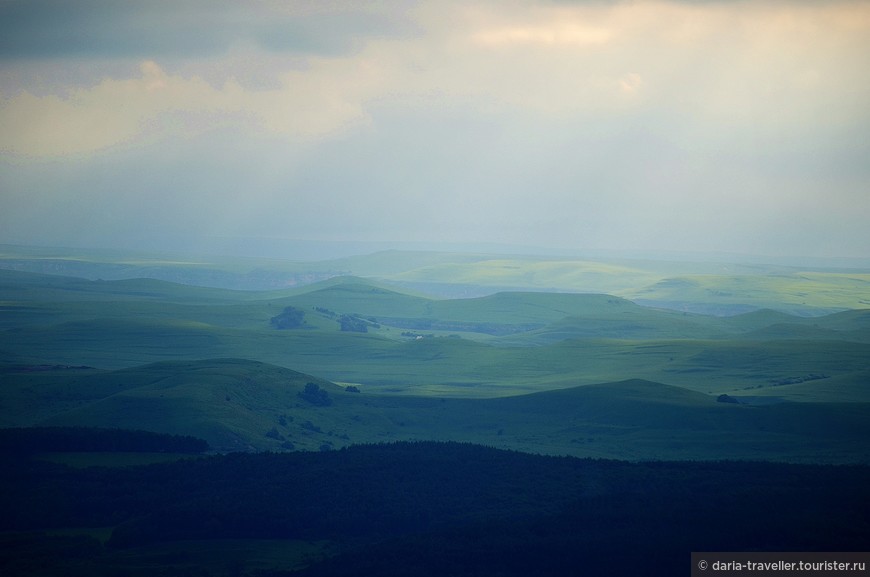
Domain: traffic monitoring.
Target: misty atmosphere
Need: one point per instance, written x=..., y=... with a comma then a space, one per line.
x=542, y=287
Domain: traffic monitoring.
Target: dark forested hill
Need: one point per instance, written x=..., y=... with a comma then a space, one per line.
x=426, y=509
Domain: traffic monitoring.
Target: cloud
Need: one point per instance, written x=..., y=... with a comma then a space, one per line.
x=725, y=68
x=157, y=106
x=102, y=28
x=555, y=34
x=142, y=29
x=576, y=124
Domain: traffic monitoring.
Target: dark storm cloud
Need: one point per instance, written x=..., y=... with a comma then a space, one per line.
x=147, y=29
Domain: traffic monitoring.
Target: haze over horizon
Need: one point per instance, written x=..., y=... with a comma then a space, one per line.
x=722, y=126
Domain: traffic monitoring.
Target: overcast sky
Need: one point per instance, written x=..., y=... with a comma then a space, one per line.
x=709, y=126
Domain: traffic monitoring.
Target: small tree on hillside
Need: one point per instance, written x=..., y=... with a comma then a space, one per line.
x=315, y=395
x=290, y=318
x=353, y=324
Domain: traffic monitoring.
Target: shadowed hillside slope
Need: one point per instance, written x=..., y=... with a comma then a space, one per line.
x=245, y=405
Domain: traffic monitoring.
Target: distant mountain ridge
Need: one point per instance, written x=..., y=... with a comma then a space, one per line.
x=717, y=286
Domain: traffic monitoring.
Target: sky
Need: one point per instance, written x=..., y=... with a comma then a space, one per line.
x=708, y=126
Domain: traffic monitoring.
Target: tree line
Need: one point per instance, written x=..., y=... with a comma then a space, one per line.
x=427, y=508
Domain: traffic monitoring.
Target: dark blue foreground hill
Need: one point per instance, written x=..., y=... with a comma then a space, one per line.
x=427, y=509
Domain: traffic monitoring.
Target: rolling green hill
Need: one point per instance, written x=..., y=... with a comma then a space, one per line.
x=714, y=287
x=793, y=291
x=501, y=344
x=245, y=405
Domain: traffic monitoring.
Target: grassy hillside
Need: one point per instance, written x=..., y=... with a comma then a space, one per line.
x=231, y=403
x=502, y=344
x=246, y=405
x=716, y=287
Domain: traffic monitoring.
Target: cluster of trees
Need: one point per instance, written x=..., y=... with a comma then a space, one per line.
x=796, y=380
x=459, y=509
x=315, y=395
x=354, y=323
x=326, y=312
x=289, y=318
x=357, y=324
x=293, y=318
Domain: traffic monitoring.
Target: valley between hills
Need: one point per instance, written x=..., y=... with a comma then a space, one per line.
x=572, y=373
x=425, y=414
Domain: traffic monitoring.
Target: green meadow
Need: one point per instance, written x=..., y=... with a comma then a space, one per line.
x=239, y=405
x=637, y=381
